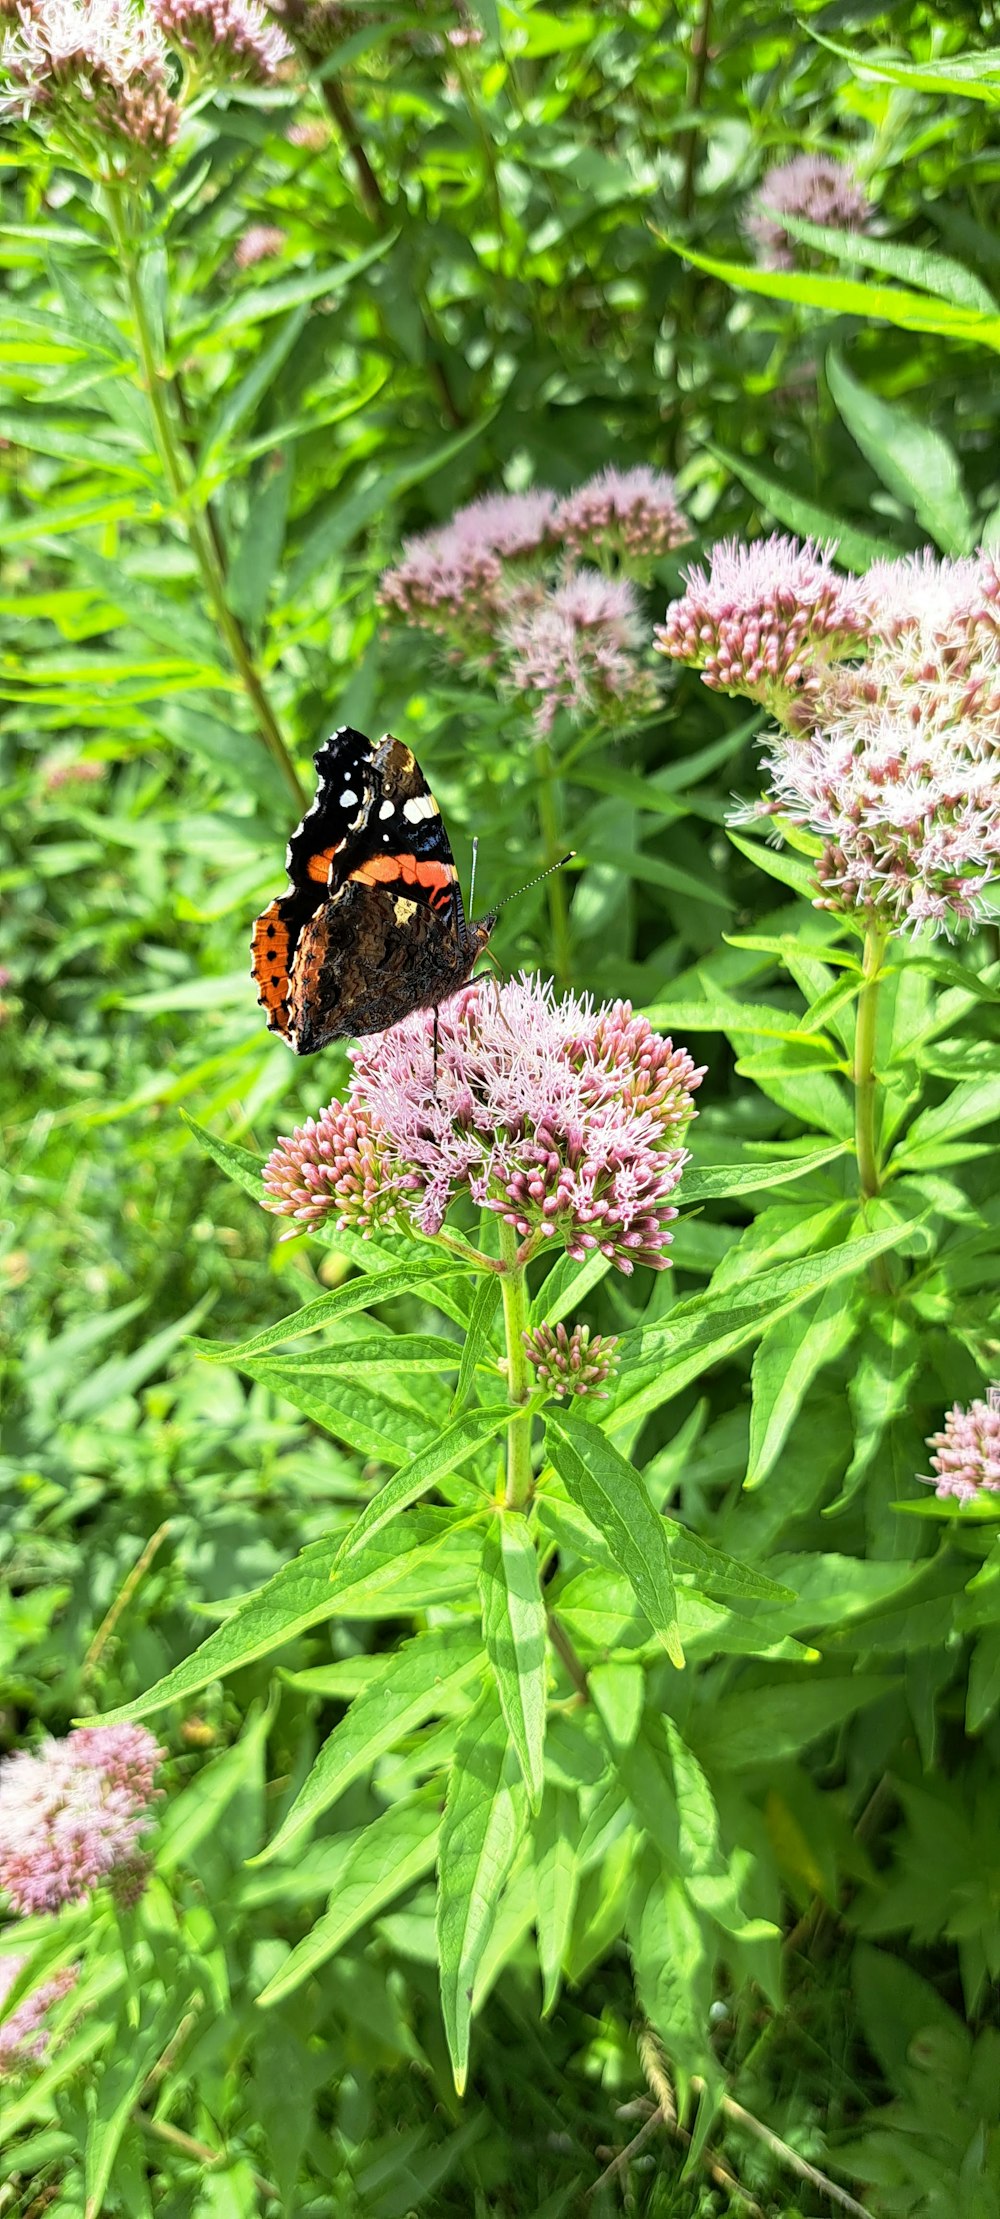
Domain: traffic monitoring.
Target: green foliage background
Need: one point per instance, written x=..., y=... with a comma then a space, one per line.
x=505, y=262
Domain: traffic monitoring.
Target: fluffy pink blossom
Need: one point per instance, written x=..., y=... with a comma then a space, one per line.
x=455, y=581
x=565, y=1120
x=97, y=70
x=897, y=768
x=313, y=135
x=967, y=1450
x=70, y=770
x=762, y=619
x=815, y=186
x=259, y=244
x=23, y=2039
x=576, y=1363
x=71, y=1816
x=945, y=598
x=232, y=41
x=578, y=649
x=632, y=515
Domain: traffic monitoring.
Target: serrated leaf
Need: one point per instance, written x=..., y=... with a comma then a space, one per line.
x=380, y=1862
x=787, y=1360
x=452, y=1448
x=406, y=1690
x=855, y=550
x=773, y=1724
x=557, y=1881
x=710, y=1182
x=514, y=1631
x=328, y=1309
x=485, y=1820
x=477, y=1338
x=611, y=1492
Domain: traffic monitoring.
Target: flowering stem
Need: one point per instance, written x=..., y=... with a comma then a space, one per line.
x=122, y=208
x=866, y=1105
x=514, y=1288
x=553, y=848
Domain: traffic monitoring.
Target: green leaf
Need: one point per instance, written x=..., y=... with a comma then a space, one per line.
x=610, y=1490
x=195, y=1813
x=379, y=1425
x=484, y=1824
x=772, y=1725
x=787, y=1360
x=407, y=1689
x=258, y=550
x=348, y=514
x=328, y=1309
x=984, y=1681
x=912, y=460
x=380, y=1862
x=301, y=1595
x=117, y=2083
x=709, y=1182
x=515, y=1635
x=936, y=273
x=855, y=549
x=237, y=1163
x=243, y=395
x=974, y=76
x=477, y=1338
x=975, y=1102
x=843, y=296
x=391, y=1352
x=777, y=863
x=557, y=1881
x=658, y=1360
x=453, y=1447
x=243, y=307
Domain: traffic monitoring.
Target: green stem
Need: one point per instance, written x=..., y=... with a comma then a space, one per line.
x=866, y=1104
x=201, y=537
x=514, y=1289
x=553, y=849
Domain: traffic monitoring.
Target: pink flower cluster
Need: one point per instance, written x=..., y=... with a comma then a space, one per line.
x=763, y=619
x=967, y=1450
x=71, y=1817
x=259, y=244
x=564, y=1120
x=501, y=587
x=886, y=690
x=578, y=649
x=631, y=515
x=232, y=41
x=576, y=1363
x=97, y=70
x=23, y=2039
x=814, y=186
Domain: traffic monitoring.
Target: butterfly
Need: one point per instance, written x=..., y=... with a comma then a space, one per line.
x=372, y=926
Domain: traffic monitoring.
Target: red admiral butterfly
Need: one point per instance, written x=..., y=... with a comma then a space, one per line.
x=372, y=926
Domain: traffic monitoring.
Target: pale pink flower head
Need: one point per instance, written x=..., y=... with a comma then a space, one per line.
x=944, y=598
x=260, y=244
x=97, y=71
x=576, y=1363
x=967, y=1450
x=23, y=2038
x=458, y=580
x=564, y=1120
x=815, y=186
x=71, y=1816
x=231, y=41
x=897, y=769
x=763, y=619
x=511, y=525
x=70, y=770
x=578, y=649
x=628, y=516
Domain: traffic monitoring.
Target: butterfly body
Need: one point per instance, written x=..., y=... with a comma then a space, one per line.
x=372, y=926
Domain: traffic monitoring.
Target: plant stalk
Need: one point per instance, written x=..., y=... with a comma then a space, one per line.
x=202, y=540
x=553, y=849
x=514, y=1289
x=866, y=1105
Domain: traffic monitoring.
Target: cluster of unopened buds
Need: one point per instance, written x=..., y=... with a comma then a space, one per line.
x=577, y=1363
x=885, y=692
x=539, y=591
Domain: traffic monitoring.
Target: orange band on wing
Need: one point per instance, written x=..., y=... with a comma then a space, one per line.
x=437, y=879
x=318, y=866
x=269, y=965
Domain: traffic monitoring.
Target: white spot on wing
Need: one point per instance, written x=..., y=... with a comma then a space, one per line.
x=348, y=798
x=421, y=805
x=388, y=809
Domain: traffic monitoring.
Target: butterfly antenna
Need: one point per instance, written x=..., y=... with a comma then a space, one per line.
x=526, y=889
x=472, y=880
